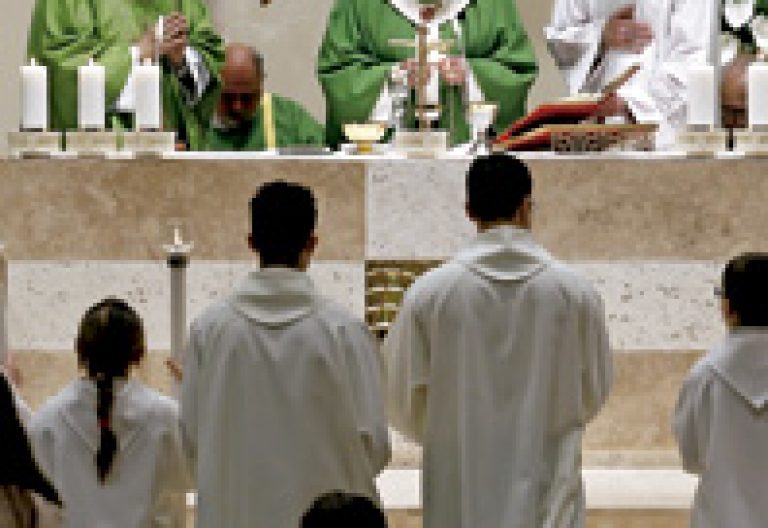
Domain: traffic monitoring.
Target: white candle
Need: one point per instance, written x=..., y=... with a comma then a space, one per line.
x=91, y=100
x=34, y=96
x=178, y=259
x=758, y=94
x=146, y=78
x=701, y=95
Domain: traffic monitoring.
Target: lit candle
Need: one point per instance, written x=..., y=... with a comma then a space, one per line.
x=91, y=100
x=34, y=96
x=701, y=95
x=758, y=94
x=146, y=78
x=177, y=258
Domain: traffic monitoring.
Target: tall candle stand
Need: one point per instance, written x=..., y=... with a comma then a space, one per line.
x=34, y=139
x=92, y=139
x=177, y=259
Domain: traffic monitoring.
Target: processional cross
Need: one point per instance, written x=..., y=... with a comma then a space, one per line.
x=425, y=111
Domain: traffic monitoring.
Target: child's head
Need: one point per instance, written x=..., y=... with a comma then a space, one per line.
x=343, y=510
x=110, y=340
x=745, y=290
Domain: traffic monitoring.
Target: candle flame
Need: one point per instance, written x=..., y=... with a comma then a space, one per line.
x=33, y=62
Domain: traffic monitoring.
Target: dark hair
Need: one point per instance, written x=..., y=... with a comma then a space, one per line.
x=496, y=187
x=745, y=285
x=17, y=463
x=283, y=217
x=110, y=340
x=343, y=510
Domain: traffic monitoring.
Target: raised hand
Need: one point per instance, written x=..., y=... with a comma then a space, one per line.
x=622, y=32
x=453, y=70
x=175, y=38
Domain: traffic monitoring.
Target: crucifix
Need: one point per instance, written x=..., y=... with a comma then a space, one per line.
x=426, y=110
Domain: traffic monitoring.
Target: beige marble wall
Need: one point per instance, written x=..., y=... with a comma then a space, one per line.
x=288, y=33
x=125, y=210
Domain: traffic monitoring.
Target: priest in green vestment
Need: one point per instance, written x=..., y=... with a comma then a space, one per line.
x=491, y=60
x=248, y=118
x=120, y=34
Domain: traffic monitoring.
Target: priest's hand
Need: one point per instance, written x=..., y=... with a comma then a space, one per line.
x=622, y=32
x=175, y=38
x=148, y=46
x=453, y=70
x=614, y=106
x=411, y=68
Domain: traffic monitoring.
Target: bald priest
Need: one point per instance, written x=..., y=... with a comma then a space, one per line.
x=248, y=118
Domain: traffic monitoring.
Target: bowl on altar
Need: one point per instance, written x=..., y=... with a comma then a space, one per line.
x=364, y=135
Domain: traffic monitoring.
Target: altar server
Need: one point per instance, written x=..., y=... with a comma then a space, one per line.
x=721, y=420
x=497, y=361
x=110, y=445
x=594, y=41
x=65, y=34
x=282, y=397
x=27, y=498
x=491, y=59
x=248, y=118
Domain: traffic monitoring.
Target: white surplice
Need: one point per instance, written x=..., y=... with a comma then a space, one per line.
x=497, y=361
x=721, y=424
x=682, y=36
x=281, y=402
x=147, y=485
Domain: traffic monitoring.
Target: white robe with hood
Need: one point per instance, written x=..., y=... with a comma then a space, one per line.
x=682, y=35
x=721, y=424
x=497, y=361
x=281, y=402
x=147, y=485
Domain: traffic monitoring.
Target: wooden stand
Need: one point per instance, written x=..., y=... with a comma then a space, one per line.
x=33, y=144
x=91, y=143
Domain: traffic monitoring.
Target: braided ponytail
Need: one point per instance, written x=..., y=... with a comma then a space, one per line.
x=110, y=340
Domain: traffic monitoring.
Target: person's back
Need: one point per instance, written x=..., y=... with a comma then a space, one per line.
x=281, y=397
x=112, y=447
x=498, y=360
x=721, y=420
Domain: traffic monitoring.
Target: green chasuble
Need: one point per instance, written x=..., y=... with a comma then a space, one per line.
x=64, y=34
x=355, y=60
x=293, y=126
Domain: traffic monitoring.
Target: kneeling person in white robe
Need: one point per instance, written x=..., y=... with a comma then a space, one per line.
x=721, y=420
x=110, y=445
x=282, y=397
x=497, y=361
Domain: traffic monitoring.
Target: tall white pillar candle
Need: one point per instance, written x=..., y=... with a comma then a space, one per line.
x=701, y=95
x=34, y=96
x=146, y=78
x=177, y=258
x=758, y=94
x=91, y=96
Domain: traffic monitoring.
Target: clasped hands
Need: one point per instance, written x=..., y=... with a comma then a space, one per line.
x=452, y=70
x=175, y=40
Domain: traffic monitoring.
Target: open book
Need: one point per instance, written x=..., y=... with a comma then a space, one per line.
x=533, y=132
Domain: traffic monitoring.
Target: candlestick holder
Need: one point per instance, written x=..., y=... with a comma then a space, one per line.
x=702, y=140
x=91, y=143
x=34, y=144
x=752, y=142
x=149, y=143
